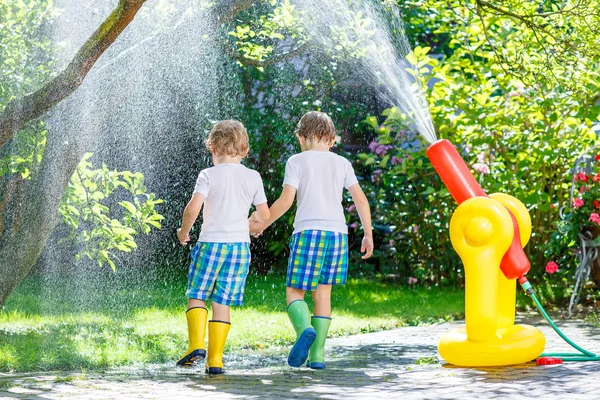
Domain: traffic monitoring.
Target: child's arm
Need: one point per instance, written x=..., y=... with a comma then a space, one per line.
x=190, y=214
x=364, y=212
x=280, y=207
x=262, y=212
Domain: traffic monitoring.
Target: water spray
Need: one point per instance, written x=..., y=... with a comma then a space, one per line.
x=489, y=231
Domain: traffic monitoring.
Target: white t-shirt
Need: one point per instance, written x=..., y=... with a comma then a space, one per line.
x=230, y=190
x=320, y=178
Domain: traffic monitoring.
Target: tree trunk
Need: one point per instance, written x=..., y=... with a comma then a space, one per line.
x=29, y=208
x=33, y=214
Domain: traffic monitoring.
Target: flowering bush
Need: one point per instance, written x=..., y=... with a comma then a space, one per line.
x=410, y=207
x=582, y=217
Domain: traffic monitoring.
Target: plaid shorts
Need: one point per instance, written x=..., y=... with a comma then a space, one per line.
x=218, y=272
x=317, y=257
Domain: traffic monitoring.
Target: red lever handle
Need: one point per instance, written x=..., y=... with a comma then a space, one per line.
x=462, y=186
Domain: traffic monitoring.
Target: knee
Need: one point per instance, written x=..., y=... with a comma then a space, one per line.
x=321, y=297
x=294, y=294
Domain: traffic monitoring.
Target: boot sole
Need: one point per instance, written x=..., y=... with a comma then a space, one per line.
x=316, y=365
x=214, y=371
x=189, y=360
x=299, y=352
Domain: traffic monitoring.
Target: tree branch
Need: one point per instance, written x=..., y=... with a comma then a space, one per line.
x=528, y=20
x=32, y=106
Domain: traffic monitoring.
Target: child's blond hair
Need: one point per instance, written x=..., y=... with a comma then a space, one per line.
x=316, y=126
x=228, y=138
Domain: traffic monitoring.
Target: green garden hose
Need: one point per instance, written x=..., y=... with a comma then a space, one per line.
x=584, y=355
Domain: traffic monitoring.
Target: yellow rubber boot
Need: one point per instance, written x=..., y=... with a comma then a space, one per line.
x=217, y=336
x=196, y=320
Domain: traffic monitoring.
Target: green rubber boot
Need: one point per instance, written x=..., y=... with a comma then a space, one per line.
x=305, y=333
x=316, y=359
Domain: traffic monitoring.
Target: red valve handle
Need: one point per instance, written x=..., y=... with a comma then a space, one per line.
x=462, y=186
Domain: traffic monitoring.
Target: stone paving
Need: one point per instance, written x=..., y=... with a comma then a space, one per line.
x=400, y=363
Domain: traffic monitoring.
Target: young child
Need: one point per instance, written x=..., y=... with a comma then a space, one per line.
x=221, y=258
x=319, y=245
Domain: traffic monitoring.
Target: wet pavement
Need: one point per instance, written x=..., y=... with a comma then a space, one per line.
x=401, y=363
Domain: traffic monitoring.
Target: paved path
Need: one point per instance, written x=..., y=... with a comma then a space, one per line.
x=401, y=363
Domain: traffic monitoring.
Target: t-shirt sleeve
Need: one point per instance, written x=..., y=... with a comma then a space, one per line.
x=292, y=174
x=260, y=197
x=202, y=184
x=350, y=176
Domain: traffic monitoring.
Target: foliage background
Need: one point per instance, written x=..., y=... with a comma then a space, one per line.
x=517, y=94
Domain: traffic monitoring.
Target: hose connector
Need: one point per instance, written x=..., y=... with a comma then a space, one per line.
x=526, y=285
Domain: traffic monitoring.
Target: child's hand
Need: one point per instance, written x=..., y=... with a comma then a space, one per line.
x=183, y=238
x=367, y=247
x=256, y=227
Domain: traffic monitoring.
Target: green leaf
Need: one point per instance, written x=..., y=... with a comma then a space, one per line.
x=129, y=207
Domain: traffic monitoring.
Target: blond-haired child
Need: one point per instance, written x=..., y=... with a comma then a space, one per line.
x=221, y=258
x=319, y=245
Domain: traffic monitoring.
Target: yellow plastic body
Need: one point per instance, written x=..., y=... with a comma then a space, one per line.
x=481, y=231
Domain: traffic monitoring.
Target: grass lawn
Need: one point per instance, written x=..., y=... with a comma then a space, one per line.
x=100, y=323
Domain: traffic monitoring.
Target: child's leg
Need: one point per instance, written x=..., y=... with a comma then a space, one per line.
x=321, y=322
x=293, y=294
x=218, y=329
x=303, y=274
x=196, y=316
x=193, y=303
x=228, y=291
x=334, y=272
x=322, y=298
x=196, y=313
x=220, y=312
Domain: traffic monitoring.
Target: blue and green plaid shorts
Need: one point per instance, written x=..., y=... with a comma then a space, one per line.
x=218, y=272
x=317, y=257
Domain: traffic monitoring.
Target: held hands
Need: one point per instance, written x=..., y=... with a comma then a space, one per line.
x=183, y=238
x=367, y=247
x=256, y=227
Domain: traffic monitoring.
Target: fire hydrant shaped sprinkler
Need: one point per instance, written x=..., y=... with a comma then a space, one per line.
x=489, y=234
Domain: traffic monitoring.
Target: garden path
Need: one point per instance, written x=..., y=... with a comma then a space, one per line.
x=400, y=363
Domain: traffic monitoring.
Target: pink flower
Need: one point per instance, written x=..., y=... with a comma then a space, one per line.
x=596, y=178
x=415, y=228
x=412, y=280
x=594, y=217
x=577, y=203
x=392, y=243
x=551, y=267
x=582, y=177
x=481, y=168
x=427, y=213
x=353, y=225
x=351, y=208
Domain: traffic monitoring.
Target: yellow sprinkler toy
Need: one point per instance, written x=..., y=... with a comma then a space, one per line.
x=488, y=233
